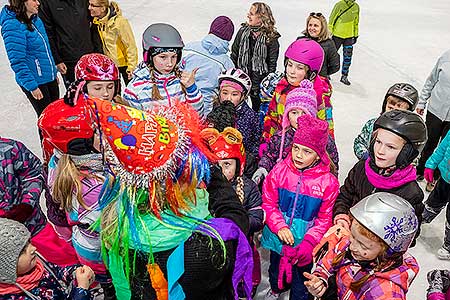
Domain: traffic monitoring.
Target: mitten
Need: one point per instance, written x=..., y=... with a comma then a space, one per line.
x=284, y=270
x=259, y=175
x=428, y=174
x=305, y=251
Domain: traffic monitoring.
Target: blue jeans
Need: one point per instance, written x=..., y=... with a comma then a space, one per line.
x=298, y=289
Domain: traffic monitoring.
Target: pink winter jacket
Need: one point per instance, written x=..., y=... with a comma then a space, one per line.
x=300, y=200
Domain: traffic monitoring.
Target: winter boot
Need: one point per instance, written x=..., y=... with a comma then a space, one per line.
x=271, y=295
x=344, y=80
x=443, y=253
x=429, y=214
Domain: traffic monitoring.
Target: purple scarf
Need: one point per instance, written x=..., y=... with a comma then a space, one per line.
x=398, y=178
x=243, y=265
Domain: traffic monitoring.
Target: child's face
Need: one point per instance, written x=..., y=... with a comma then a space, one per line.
x=303, y=157
x=386, y=148
x=314, y=27
x=253, y=19
x=228, y=167
x=293, y=116
x=295, y=72
x=231, y=94
x=27, y=260
x=395, y=103
x=101, y=89
x=165, y=62
x=362, y=247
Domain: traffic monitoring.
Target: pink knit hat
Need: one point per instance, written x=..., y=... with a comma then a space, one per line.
x=302, y=97
x=313, y=133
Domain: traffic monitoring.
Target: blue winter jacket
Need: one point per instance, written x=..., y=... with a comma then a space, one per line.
x=441, y=158
x=211, y=57
x=28, y=51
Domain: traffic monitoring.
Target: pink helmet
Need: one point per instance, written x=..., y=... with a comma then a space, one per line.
x=306, y=51
x=96, y=66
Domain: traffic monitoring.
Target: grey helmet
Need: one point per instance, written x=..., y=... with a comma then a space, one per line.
x=390, y=217
x=410, y=127
x=161, y=35
x=404, y=91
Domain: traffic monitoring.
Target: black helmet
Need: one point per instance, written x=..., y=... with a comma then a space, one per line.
x=404, y=91
x=161, y=35
x=410, y=127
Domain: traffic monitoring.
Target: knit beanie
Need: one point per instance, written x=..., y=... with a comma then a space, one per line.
x=303, y=97
x=13, y=238
x=222, y=27
x=313, y=133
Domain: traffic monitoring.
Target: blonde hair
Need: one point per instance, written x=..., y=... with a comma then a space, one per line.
x=68, y=181
x=325, y=33
x=382, y=261
x=267, y=20
x=156, y=95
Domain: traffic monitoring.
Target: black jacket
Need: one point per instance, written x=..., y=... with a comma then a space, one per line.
x=331, y=59
x=357, y=186
x=273, y=49
x=68, y=26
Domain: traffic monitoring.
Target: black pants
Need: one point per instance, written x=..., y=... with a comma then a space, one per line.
x=437, y=130
x=49, y=90
x=256, y=101
x=69, y=77
x=124, y=74
x=437, y=200
x=347, y=52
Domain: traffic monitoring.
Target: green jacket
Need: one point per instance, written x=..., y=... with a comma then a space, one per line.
x=343, y=21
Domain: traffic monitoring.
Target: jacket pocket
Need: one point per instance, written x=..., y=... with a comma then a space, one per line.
x=38, y=67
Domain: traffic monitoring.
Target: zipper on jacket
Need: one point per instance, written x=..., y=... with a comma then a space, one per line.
x=297, y=192
x=46, y=50
x=38, y=67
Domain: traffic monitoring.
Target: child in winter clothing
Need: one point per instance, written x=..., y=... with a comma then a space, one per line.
x=439, y=285
x=25, y=275
x=399, y=96
x=398, y=138
x=301, y=100
x=440, y=196
x=158, y=80
x=371, y=263
x=303, y=60
x=76, y=179
x=298, y=198
x=211, y=56
x=255, y=48
x=344, y=22
x=21, y=184
x=228, y=146
x=116, y=35
x=234, y=86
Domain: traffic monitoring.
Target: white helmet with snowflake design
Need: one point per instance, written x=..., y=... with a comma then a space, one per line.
x=388, y=216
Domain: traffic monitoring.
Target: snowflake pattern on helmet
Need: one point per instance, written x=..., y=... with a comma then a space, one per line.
x=394, y=229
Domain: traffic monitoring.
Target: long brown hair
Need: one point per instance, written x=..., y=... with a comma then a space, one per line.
x=68, y=181
x=18, y=7
x=267, y=20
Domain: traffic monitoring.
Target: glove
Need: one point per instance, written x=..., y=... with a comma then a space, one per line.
x=262, y=149
x=72, y=92
x=305, y=251
x=285, y=269
x=259, y=175
x=428, y=174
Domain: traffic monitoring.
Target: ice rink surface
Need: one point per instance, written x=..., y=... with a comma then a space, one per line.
x=399, y=41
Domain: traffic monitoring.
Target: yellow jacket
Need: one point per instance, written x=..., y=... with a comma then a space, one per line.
x=117, y=38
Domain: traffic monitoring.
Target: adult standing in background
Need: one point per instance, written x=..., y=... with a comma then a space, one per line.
x=436, y=89
x=68, y=26
x=28, y=51
x=210, y=56
x=255, y=48
x=344, y=22
x=116, y=35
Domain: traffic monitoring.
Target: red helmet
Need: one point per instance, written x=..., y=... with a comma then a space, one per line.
x=67, y=128
x=227, y=144
x=96, y=66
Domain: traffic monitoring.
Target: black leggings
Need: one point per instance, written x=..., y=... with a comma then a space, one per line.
x=49, y=90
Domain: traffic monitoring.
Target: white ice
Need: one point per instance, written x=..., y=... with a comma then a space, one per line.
x=399, y=41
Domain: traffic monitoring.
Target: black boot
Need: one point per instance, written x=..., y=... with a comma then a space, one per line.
x=344, y=80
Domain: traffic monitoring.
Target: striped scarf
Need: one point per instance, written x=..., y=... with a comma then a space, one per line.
x=259, y=55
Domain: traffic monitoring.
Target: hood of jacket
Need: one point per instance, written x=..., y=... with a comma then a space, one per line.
x=215, y=45
x=6, y=15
